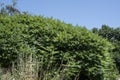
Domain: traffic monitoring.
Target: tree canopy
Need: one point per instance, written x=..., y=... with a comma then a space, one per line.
x=9, y=9
x=113, y=35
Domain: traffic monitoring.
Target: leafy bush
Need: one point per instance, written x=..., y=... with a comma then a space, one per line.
x=113, y=35
x=57, y=45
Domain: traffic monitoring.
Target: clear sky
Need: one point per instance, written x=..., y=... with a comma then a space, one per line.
x=88, y=13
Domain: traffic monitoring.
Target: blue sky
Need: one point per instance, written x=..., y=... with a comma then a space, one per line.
x=88, y=13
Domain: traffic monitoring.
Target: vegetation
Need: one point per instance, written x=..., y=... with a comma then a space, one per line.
x=39, y=48
x=61, y=51
x=9, y=9
x=113, y=35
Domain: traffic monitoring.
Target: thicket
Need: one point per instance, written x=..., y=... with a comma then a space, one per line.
x=113, y=35
x=69, y=51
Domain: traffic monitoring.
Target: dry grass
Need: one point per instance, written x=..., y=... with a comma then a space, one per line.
x=28, y=68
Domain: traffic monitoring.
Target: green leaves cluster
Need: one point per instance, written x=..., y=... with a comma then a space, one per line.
x=57, y=45
x=113, y=35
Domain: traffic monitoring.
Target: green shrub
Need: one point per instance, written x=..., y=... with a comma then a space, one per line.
x=113, y=35
x=82, y=54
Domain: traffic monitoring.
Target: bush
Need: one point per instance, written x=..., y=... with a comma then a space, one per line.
x=71, y=50
x=113, y=35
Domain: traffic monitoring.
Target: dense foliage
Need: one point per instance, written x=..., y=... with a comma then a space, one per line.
x=81, y=53
x=113, y=35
